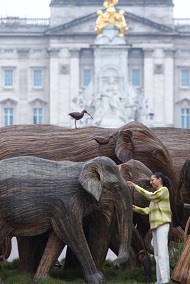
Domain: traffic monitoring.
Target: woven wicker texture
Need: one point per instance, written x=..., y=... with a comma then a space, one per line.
x=181, y=272
x=37, y=195
x=133, y=141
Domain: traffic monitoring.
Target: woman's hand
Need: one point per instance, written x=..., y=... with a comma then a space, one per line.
x=130, y=183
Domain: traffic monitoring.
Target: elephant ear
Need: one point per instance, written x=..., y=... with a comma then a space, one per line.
x=124, y=146
x=126, y=171
x=135, y=170
x=90, y=179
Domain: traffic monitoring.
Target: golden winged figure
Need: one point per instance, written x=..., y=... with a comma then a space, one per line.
x=111, y=16
x=110, y=3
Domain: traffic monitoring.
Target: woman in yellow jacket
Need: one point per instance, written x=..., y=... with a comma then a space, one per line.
x=159, y=211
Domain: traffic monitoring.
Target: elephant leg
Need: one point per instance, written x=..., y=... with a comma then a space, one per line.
x=5, y=231
x=71, y=260
x=52, y=251
x=5, y=248
x=70, y=230
x=30, y=251
x=82, y=252
x=99, y=236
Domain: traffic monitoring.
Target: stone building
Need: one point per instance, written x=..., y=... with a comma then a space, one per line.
x=51, y=67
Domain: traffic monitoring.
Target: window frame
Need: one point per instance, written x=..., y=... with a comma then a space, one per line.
x=35, y=71
x=7, y=85
x=9, y=117
x=185, y=117
x=139, y=78
x=84, y=84
x=38, y=116
x=181, y=78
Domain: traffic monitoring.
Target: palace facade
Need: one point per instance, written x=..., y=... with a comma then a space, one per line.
x=51, y=67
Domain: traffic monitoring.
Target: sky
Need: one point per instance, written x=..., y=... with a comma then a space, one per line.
x=40, y=8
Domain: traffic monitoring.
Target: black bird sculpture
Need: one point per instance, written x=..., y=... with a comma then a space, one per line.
x=78, y=115
x=102, y=140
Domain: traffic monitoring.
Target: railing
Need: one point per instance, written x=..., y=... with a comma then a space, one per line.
x=182, y=22
x=16, y=21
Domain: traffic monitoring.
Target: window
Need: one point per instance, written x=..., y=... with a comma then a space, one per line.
x=8, y=116
x=185, y=118
x=37, y=116
x=135, y=52
x=185, y=78
x=86, y=52
x=136, y=77
x=37, y=51
x=37, y=83
x=185, y=51
x=8, y=76
x=86, y=77
x=8, y=51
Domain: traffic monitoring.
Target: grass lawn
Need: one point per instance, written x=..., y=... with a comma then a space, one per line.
x=10, y=274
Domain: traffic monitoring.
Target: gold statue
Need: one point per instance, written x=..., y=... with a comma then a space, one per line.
x=111, y=16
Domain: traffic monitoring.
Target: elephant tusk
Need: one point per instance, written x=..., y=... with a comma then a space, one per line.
x=187, y=206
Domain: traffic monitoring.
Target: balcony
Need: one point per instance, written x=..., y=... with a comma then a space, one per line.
x=16, y=21
x=182, y=22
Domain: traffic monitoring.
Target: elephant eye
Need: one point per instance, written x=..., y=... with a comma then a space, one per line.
x=155, y=153
x=161, y=156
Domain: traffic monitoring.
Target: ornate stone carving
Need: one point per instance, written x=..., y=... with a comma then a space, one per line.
x=158, y=69
x=23, y=52
x=64, y=69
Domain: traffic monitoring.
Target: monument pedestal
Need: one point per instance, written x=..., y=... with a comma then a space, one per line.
x=111, y=78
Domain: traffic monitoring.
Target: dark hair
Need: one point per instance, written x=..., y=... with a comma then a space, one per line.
x=165, y=180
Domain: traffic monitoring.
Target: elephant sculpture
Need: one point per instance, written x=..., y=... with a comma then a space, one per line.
x=140, y=143
x=39, y=196
x=176, y=140
x=131, y=170
x=133, y=140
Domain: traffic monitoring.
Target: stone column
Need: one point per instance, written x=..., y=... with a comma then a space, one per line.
x=148, y=77
x=23, y=91
x=74, y=75
x=54, y=86
x=169, y=87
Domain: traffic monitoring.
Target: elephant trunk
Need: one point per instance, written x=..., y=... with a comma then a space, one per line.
x=124, y=221
x=101, y=178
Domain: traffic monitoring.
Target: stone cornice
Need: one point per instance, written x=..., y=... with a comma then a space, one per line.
x=148, y=52
x=74, y=52
x=169, y=52
x=74, y=23
x=8, y=100
x=121, y=2
x=23, y=52
x=53, y=52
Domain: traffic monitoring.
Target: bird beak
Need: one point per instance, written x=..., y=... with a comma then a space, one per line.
x=90, y=115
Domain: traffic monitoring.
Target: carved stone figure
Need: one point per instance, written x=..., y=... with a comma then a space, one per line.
x=109, y=104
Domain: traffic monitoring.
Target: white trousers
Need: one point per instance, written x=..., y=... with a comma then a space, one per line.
x=161, y=254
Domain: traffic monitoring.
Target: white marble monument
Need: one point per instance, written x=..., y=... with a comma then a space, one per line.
x=110, y=97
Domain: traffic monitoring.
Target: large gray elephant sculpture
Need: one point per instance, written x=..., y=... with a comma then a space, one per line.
x=131, y=170
x=39, y=195
x=133, y=140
